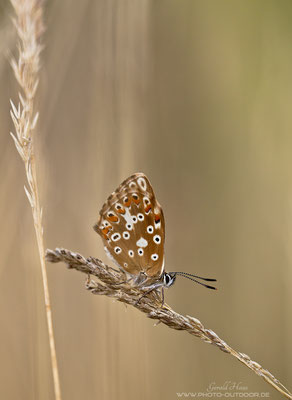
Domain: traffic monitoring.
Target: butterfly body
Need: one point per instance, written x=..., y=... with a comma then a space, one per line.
x=132, y=227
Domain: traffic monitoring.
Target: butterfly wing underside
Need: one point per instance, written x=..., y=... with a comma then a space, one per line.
x=132, y=227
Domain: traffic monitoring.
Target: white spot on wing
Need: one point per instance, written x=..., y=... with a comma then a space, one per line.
x=157, y=225
x=142, y=183
x=108, y=253
x=126, y=235
x=128, y=217
x=157, y=239
x=142, y=242
x=115, y=237
x=154, y=257
x=131, y=253
x=150, y=229
x=111, y=257
x=118, y=250
x=140, y=217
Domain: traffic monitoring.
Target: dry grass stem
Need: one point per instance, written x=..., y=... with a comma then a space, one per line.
x=29, y=27
x=109, y=284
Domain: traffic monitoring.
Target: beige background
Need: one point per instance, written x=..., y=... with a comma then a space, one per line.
x=196, y=94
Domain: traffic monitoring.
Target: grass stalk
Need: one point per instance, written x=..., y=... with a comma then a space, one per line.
x=109, y=284
x=29, y=26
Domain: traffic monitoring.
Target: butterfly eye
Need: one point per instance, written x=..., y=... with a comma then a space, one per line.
x=154, y=257
x=118, y=250
x=168, y=279
x=129, y=227
x=140, y=252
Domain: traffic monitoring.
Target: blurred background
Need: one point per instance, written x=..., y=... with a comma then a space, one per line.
x=197, y=95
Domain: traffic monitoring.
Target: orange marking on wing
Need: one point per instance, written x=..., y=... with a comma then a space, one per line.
x=148, y=208
x=136, y=201
x=157, y=218
x=127, y=203
x=113, y=218
x=121, y=211
x=105, y=232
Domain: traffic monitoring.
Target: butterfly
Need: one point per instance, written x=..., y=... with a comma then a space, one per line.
x=132, y=227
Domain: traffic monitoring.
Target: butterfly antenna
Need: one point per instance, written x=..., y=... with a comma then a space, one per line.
x=196, y=276
x=191, y=277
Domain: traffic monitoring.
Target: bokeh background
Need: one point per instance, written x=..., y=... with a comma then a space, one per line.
x=197, y=94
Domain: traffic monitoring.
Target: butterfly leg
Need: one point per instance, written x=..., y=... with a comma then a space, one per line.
x=123, y=282
x=151, y=288
x=162, y=296
x=141, y=280
x=90, y=283
x=144, y=294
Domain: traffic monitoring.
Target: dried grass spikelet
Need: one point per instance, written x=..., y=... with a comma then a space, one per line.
x=109, y=284
x=29, y=26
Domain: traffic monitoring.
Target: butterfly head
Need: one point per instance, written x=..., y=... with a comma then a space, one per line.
x=169, y=279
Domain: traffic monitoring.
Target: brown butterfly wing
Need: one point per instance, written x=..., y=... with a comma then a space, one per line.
x=132, y=227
